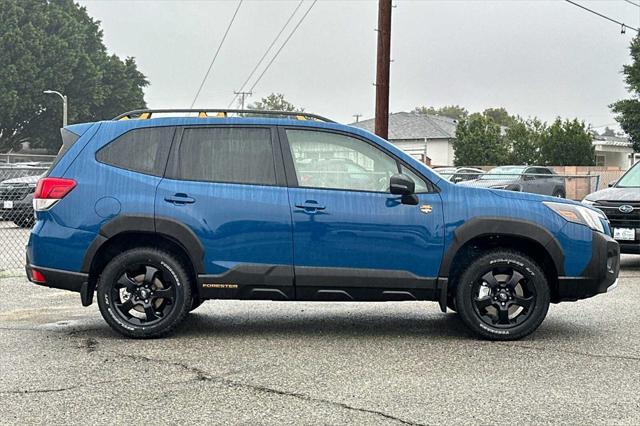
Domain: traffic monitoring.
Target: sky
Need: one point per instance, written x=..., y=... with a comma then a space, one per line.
x=543, y=58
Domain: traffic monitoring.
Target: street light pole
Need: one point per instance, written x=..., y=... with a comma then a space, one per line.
x=64, y=105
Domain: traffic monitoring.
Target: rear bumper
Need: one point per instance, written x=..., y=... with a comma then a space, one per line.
x=600, y=274
x=56, y=278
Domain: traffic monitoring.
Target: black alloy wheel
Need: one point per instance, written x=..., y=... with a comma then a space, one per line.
x=143, y=294
x=504, y=297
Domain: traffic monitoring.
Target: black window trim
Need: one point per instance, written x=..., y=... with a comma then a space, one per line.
x=166, y=161
x=279, y=170
x=292, y=179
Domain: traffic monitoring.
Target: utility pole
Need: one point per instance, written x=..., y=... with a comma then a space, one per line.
x=242, y=96
x=357, y=117
x=382, y=69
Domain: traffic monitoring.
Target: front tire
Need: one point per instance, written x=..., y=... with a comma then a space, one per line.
x=144, y=293
x=502, y=295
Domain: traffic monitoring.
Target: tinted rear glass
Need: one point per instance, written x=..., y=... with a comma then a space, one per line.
x=140, y=150
x=230, y=154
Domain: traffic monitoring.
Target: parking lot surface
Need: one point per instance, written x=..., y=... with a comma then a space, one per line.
x=318, y=363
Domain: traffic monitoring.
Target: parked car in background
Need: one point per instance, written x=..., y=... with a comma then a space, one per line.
x=621, y=203
x=459, y=174
x=16, y=200
x=534, y=179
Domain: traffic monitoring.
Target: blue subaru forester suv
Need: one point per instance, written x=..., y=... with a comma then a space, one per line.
x=156, y=215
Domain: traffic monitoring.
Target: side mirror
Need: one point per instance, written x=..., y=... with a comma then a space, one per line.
x=458, y=179
x=528, y=177
x=612, y=183
x=402, y=184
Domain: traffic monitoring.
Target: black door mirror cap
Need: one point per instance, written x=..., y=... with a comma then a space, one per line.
x=612, y=183
x=401, y=184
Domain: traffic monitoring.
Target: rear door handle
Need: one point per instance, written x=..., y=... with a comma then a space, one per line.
x=179, y=199
x=310, y=205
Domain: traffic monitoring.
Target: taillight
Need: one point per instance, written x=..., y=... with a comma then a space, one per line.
x=51, y=190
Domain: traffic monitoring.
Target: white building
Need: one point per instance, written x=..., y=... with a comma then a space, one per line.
x=423, y=136
x=613, y=151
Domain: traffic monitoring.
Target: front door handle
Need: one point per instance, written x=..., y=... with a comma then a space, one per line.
x=310, y=205
x=179, y=198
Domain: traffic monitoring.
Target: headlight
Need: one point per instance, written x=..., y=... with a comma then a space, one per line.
x=579, y=214
x=588, y=202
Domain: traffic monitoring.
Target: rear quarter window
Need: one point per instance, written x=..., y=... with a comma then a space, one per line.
x=140, y=150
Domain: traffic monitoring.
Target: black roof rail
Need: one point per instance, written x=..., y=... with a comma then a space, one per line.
x=143, y=114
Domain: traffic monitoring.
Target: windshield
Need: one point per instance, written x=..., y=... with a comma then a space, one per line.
x=504, y=172
x=631, y=179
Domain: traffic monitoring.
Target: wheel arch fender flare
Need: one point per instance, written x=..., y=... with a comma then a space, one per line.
x=161, y=226
x=478, y=227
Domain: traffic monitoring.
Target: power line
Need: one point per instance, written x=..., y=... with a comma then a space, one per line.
x=224, y=37
x=283, y=45
x=623, y=25
x=630, y=2
x=265, y=53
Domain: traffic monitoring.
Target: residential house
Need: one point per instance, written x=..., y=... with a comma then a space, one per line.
x=428, y=138
x=613, y=151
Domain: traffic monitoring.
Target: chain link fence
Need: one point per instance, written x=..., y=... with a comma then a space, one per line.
x=17, y=185
x=18, y=182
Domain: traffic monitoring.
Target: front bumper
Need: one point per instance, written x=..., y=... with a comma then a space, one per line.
x=630, y=247
x=600, y=274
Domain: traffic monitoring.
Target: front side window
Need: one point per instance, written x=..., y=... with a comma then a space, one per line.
x=421, y=185
x=331, y=160
x=142, y=150
x=227, y=154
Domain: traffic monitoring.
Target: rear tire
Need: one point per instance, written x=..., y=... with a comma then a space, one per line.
x=144, y=293
x=502, y=295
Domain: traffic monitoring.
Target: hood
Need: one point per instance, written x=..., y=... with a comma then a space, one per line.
x=522, y=196
x=615, y=194
x=22, y=180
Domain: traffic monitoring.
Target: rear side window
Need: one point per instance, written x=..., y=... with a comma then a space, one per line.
x=227, y=154
x=139, y=150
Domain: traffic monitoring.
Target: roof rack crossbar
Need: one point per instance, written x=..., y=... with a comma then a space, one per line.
x=204, y=112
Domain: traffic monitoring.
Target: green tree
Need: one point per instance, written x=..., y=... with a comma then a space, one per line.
x=46, y=44
x=523, y=138
x=455, y=112
x=479, y=142
x=628, y=110
x=499, y=116
x=275, y=102
x=567, y=143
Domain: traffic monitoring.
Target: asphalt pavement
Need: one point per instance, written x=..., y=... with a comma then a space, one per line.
x=318, y=363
